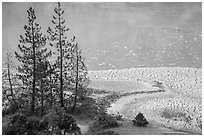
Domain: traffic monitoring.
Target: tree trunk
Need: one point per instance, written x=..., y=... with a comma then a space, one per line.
x=9, y=78
x=51, y=92
x=42, y=106
x=34, y=71
x=76, y=86
x=61, y=79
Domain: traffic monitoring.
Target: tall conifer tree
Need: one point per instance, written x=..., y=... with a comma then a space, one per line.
x=9, y=81
x=78, y=72
x=59, y=40
x=31, y=48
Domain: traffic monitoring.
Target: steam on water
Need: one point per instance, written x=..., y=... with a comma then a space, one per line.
x=125, y=35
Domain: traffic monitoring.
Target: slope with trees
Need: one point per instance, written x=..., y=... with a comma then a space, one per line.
x=51, y=90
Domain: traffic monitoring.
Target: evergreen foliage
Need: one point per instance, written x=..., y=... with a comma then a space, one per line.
x=10, y=84
x=59, y=40
x=69, y=64
x=32, y=55
x=140, y=120
x=34, y=94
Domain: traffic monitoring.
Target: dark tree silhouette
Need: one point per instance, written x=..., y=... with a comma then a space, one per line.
x=78, y=72
x=32, y=49
x=43, y=73
x=60, y=41
x=9, y=80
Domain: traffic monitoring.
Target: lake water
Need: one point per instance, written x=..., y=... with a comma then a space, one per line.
x=120, y=35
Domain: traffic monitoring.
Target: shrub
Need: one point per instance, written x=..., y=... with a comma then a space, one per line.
x=60, y=122
x=16, y=125
x=20, y=124
x=11, y=109
x=68, y=124
x=11, y=131
x=18, y=118
x=176, y=115
x=57, y=121
x=107, y=121
x=104, y=121
x=140, y=120
x=51, y=118
x=34, y=125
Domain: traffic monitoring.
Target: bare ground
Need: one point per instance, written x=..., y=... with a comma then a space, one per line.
x=134, y=90
x=179, y=101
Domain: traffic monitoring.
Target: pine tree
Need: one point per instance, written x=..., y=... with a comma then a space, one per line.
x=7, y=73
x=52, y=79
x=60, y=41
x=78, y=72
x=9, y=81
x=43, y=73
x=31, y=48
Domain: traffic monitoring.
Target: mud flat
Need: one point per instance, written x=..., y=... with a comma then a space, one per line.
x=187, y=81
x=179, y=107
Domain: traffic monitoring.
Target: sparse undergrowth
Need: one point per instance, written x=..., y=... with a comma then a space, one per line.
x=180, y=112
x=56, y=122
x=169, y=114
x=103, y=122
x=183, y=117
x=21, y=124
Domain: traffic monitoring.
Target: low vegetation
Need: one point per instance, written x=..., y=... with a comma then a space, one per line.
x=103, y=121
x=56, y=122
x=49, y=90
x=45, y=88
x=140, y=120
